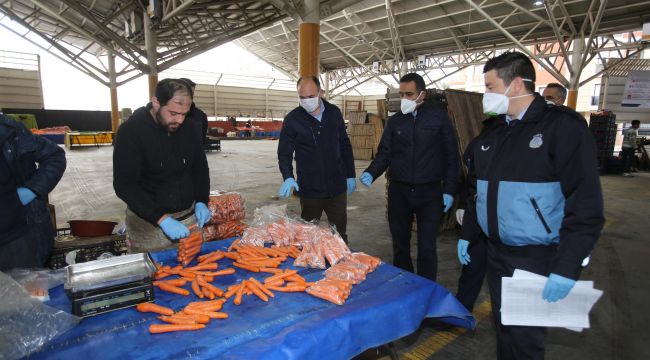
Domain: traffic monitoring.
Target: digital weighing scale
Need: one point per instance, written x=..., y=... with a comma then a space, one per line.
x=100, y=286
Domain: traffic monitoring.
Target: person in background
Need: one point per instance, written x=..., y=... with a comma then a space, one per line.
x=197, y=114
x=30, y=167
x=554, y=94
x=629, y=146
x=419, y=148
x=313, y=134
x=538, y=197
x=160, y=170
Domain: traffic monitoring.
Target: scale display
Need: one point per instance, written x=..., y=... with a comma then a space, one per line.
x=106, y=300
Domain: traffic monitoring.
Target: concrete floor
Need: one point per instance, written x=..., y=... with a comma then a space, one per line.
x=619, y=262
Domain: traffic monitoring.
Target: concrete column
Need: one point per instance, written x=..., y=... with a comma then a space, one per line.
x=309, y=39
x=112, y=78
x=326, y=86
x=151, y=42
x=576, y=69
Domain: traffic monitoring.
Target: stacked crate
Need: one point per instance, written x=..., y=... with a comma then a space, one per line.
x=361, y=135
x=603, y=127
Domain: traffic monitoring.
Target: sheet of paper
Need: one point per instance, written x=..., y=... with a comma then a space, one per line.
x=522, y=303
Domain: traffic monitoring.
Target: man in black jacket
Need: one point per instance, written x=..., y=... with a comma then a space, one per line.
x=419, y=146
x=538, y=198
x=160, y=169
x=315, y=133
x=26, y=231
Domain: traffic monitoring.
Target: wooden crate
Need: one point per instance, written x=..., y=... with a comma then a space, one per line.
x=362, y=129
x=357, y=117
x=362, y=141
x=362, y=153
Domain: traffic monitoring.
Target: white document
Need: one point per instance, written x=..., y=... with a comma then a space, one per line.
x=522, y=303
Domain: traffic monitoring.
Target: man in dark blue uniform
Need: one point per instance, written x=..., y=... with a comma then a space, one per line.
x=538, y=198
x=315, y=133
x=420, y=148
x=26, y=231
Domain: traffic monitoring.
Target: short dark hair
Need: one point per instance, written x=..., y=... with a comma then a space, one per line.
x=559, y=87
x=419, y=81
x=167, y=88
x=313, y=78
x=189, y=82
x=510, y=65
x=636, y=122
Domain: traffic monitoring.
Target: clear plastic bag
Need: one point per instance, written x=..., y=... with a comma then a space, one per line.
x=37, y=282
x=256, y=236
x=346, y=271
x=269, y=213
x=335, y=291
x=310, y=257
x=26, y=324
x=226, y=206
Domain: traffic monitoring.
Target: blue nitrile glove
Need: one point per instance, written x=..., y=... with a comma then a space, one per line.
x=26, y=196
x=287, y=187
x=448, y=201
x=352, y=184
x=557, y=288
x=463, y=256
x=174, y=229
x=366, y=179
x=202, y=213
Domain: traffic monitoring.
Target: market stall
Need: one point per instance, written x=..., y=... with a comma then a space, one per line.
x=388, y=305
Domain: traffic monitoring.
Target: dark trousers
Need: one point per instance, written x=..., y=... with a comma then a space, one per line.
x=628, y=158
x=425, y=202
x=20, y=253
x=471, y=278
x=335, y=208
x=516, y=342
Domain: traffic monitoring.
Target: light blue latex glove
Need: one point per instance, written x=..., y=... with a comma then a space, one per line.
x=448, y=201
x=287, y=187
x=352, y=185
x=463, y=256
x=25, y=195
x=202, y=213
x=366, y=179
x=557, y=288
x=174, y=229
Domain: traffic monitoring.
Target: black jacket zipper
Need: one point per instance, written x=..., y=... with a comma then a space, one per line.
x=539, y=214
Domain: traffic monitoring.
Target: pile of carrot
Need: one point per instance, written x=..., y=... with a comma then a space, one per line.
x=189, y=247
x=336, y=291
x=194, y=316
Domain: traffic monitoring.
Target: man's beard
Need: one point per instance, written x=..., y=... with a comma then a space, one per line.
x=170, y=127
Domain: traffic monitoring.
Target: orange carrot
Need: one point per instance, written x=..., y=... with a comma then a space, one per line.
x=210, y=314
x=281, y=276
x=293, y=288
x=196, y=289
x=151, y=307
x=261, y=287
x=163, y=328
x=240, y=293
x=173, y=289
x=271, y=270
x=256, y=290
x=211, y=288
x=201, y=319
x=177, y=320
x=246, y=267
x=210, y=266
x=231, y=255
x=175, y=282
x=223, y=272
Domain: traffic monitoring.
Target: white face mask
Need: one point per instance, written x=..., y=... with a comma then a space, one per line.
x=497, y=104
x=310, y=104
x=408, y=106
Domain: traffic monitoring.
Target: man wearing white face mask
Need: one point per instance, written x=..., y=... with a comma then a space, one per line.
x=538, y=197
x=314, y=133
x=419, y=146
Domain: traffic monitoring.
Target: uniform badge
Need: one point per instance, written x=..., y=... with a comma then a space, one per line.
x=536, y=141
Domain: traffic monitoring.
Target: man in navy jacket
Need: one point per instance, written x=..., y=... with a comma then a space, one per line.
x=538, y=198
x=26, y=231
x=420, y=148
x=314, y=134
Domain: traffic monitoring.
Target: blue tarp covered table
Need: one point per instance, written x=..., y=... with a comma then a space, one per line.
x=388, y=305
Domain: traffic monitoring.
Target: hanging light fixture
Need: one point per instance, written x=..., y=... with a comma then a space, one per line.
x=538, y=2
